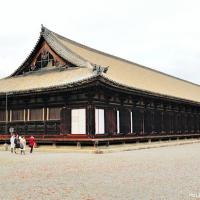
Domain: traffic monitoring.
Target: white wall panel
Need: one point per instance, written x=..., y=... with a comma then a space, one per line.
x=118, y=125
x=78, y=121
x=131, y=121
x=99, y=121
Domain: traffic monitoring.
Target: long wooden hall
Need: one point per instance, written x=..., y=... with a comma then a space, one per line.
x=66, y=92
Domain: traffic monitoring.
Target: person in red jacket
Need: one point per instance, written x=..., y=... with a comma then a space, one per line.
x=31, y=143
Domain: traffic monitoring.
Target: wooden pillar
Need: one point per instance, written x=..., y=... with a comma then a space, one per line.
x=191, y=123
x=166, y=122
x=26, y=103
x=142, y=122
x=45, y=119
x=162, y=122
x=90, y=119
x=148, y=121
x=153, y=121
x=186, y=123
x=183, y=123
x=134, y=120
x=125, y=121
x=198, y=123
x=65, y=118
x=171, y=122
x=195, y=123
x=138, y=120
x=176, y=122
x=158, y=121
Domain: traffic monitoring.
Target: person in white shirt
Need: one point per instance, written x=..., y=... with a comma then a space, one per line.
x=22, y=145
x=12, y=143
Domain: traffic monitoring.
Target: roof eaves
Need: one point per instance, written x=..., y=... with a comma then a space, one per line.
x=102, y=78
x=123, y=86
x=61, y=86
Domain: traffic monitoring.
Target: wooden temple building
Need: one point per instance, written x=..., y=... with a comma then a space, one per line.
x=68, y=92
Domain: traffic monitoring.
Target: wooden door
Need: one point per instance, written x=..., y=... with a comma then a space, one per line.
x=65, y=119
x=110, y=120
x=124, y=121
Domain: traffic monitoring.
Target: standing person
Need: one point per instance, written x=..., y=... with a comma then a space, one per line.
x=12, y=143
x=31, y=143
x=16, y=134
x=17, y=143
x=22, y=145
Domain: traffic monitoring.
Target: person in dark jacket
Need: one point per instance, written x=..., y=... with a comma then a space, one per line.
x=17, y=143
x=31, y=143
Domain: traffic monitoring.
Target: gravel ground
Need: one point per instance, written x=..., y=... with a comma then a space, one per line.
x=157, y=174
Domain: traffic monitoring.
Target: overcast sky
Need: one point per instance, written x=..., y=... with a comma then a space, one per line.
x=161, y=34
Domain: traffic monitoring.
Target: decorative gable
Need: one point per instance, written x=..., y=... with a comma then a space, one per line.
x=42, y=56
x=45, y=57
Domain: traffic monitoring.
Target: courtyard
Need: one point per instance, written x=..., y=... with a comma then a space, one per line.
x=167, y=173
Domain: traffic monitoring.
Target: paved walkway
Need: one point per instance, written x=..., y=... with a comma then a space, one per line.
x=168, y=173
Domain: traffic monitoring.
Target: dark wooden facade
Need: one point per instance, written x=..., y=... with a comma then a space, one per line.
x=139, y=114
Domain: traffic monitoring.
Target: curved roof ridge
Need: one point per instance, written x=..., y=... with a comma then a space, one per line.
x=61, y=50
x=28, y=56
x=122, y=59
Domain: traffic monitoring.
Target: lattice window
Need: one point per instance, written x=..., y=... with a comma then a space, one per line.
x=2, y=115
x=36, y=114
x=44, y=59
x=17, y=115
x=54, y=113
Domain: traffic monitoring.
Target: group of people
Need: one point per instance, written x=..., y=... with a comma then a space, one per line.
x=19, y=142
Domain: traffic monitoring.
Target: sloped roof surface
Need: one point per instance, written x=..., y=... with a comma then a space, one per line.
x=44, y=79
x=121, y=71
x=134, y=75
